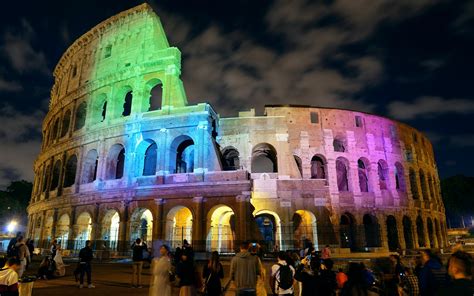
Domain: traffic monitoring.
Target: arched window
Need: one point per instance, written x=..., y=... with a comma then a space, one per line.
x=342, y=174
x=80, y=116
x=299, y=164
x=392, y=233
x=104, y=111
x=362, y=166
x=414, y=185
x=46, y=178
x=56, y=173
x=66, y=122
x=264, y=159
x=55, y=133
x=424, y=188
x=70, y=173
x=420, y=231
x=399, y=177
x=230, y=159
x=181, y=159
x=115, y=162
x=127, y=105
x=431, y=188
x=407, y=232
x=382, y=169
x=149, y=165
x=89, y=171
x=156, y=95
x=318, y=168
x=339, y=145
x=372, y=231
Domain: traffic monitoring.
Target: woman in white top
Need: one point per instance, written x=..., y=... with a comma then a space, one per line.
x=160, y=274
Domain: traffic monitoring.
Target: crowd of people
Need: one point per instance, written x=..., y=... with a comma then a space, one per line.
x=304, y=273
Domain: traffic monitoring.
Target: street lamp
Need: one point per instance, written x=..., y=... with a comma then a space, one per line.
x=12, y=226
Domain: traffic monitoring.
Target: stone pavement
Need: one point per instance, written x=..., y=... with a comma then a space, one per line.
x=110, y=279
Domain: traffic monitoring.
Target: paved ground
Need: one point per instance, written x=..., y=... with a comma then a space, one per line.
x=110, y=279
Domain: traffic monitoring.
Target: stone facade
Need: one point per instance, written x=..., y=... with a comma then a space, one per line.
x=124, y=156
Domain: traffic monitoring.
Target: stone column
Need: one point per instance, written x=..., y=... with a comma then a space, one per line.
x=400, y=232
x=383, y=231
x=199, y=242
x=73, y=230
x=158, y=225
x=124, y=228
x=55, y=223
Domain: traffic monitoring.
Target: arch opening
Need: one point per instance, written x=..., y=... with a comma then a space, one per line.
x=179, y=226
x=372, y=231
x=304, y=229
x=84, y=230
x=142, y=225
x=70, y=173
x=221, y=234
x=392, y=233
x=318, y=167
x=342, y=174
x=115, y=162
x=347, y=231
x=264, y=159
x=363, y=167
x=90, y=165
x=230, y=159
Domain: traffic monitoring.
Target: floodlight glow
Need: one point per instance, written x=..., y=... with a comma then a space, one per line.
x=11, y=227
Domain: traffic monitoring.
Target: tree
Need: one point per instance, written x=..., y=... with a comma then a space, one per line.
x=458, y=198
x=14, y=201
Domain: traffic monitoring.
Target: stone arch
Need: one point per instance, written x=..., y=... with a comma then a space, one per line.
x=55, y=133
x=414, y=184
x=363, y=169
x=230, y=159
x=62, y=230
x=70, y=171
x=182, y=156
x=66, y=122
x=126, y=95
x=147, y=152
x=304, y=229
x=221, y=231
x=80, y=120
x=408, y=232
x=339, y=143
x=46, y=178
x=299, y=164
x=100, y=108
x=269, y=226
x=382, y=170
x=431, y=188
x=372, y=231
x=89, y=169
x=264, y=159
x=392, y=233
x=154, y=87
x=115, y=162
x=420, y=232
x=48, y=231
x=400, y=183
x=56, y=174
x=318, y=167
x=84, y=229
x=431, y=235
x=141, y=224
x=348, y=231
x=424, y=188
x=110, y=228
x=342, y=171
x=179, y=226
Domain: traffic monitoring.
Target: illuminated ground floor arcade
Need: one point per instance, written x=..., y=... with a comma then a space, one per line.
x=220, y=223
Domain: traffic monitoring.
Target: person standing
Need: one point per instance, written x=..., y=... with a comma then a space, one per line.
x=433, y=275
x=261, y=290
x=160, y=274
x=186, y=273
x=212, y=273
x=85, y=258
x=460, y=270
x=11, y=245
x=22, y=254
x=341, y=278
x=138, y=248
x=282, y=276
x=244, y=269
x=326, y=253
x=31, y=249
x=9, y=277
x=54, y=248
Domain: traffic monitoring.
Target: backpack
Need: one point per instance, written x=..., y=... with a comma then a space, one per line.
x=286, y=277
x=14, y=251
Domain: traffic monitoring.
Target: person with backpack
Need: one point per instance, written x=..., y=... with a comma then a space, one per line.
x=433, y=275
x=212, y=273
x=138, y=248
x=11, y=245
x=282, y=276
x=20, y=252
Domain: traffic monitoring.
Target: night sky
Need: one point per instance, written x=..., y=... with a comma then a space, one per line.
x=407, y=59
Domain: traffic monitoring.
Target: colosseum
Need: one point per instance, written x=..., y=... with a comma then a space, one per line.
x=124, y=155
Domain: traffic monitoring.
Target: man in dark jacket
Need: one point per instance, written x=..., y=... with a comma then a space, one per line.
x=460, y=270
x=138, y=247
x=85, y=258
x=244, y=269
x=433, y=275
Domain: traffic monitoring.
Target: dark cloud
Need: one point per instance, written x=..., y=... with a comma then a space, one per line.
x=9, y=86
